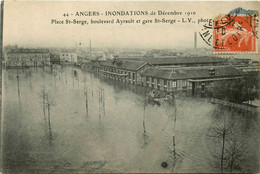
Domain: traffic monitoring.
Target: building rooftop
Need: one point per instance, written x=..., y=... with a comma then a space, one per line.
x=127, y=65
x=184, y=60
x=193, y=73
x=30, y=50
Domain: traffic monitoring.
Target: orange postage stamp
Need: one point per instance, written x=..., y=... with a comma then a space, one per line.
x=236, y=32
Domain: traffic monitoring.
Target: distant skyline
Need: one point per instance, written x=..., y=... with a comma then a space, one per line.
x=28, y=24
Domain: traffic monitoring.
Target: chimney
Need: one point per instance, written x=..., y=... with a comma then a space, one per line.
x=1, y=34
x=212, y=71
x=195, y=40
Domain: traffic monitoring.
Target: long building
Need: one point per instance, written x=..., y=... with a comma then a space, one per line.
x=188, y=78
x=183, y=61
x=188, y=75
x=27, y=57
x=186, y=61
x=127, y=71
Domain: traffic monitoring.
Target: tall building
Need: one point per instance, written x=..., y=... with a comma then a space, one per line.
x=27, y=57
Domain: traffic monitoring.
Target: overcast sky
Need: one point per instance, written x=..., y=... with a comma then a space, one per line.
x=28, y=24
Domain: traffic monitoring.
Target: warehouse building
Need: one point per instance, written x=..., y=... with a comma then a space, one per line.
x=126, y=71
x=188, y=78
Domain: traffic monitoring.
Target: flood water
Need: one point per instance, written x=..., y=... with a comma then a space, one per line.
x=62, y=133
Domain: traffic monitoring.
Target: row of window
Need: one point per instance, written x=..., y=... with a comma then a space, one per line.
x=156, y=81
x=27, y=58
x=26, y=63
x=23, y=56
x=121, y=72
x=30, y=60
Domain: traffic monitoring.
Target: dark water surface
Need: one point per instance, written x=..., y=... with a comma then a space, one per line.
x=109, y=136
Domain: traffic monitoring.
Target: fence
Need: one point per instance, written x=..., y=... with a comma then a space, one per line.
x=234, y=105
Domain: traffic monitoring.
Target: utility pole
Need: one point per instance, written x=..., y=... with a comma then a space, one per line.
x=175, y=119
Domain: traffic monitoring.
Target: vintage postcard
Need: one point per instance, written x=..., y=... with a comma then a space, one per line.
x=130, y=87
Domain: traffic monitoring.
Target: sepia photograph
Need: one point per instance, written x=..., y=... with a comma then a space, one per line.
x=129, y=86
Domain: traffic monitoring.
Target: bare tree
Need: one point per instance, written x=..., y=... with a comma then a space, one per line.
x=233, y=155
x=18, y=85
x=227, y=149
x=86, y=94
x=101, y=101
x=145, y=103
x=173, y=113
x=29, y=75
x=173, y=101
x=60, y=71
x=85, y=82
x=104, y=99
x=92, y=85
x=43, y=96
x=49, y=102
x=220, y=132
x=236, y=150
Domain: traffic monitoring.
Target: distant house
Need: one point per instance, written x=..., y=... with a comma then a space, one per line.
x=94, y=65
x=55, y=58
x=247, y=65
x=131, y=54
x=188, y=78
x=80, y=60
x=127, y=71
x=249, y=68
x=68, y=58
x=27, y=57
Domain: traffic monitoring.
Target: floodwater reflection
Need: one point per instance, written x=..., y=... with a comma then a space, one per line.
x=62, y=119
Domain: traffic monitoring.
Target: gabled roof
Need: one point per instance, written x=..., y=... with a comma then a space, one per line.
x=163, y=73
x=192, y=73
x=184, y=60
x=126, y=65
